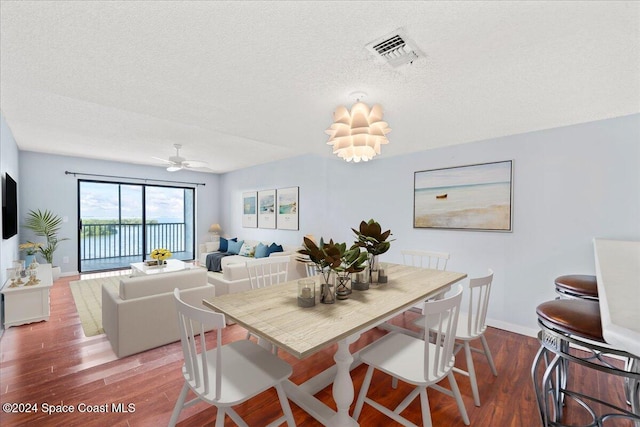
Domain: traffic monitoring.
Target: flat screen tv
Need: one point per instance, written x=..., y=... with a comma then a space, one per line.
x=10, y=208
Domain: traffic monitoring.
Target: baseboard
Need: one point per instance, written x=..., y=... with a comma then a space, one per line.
x=69, y=273
x=512, y=327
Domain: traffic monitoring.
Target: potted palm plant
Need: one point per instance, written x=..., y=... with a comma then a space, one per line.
x=46, y=224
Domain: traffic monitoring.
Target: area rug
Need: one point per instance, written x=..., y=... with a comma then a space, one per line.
x=87, y=294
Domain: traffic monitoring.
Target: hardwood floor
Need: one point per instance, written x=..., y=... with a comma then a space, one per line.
x=53, y=363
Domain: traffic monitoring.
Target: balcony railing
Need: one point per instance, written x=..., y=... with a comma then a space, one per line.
x=100, y=241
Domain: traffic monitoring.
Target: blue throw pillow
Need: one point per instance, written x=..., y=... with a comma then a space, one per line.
x=234, y=246
x=275, y=248
x=262, y=250
x=224, y=244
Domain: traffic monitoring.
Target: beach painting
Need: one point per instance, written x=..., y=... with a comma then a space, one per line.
x=249, y=209
x=267, y=209
x=287, y=208
x=474, y=197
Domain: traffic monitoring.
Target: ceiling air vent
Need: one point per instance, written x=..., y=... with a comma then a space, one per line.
x=395, y=49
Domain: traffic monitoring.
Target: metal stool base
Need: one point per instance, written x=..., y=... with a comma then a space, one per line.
x=551, y=387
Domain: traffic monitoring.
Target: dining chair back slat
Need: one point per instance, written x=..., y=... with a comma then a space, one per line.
x=269, y=271
x=425, y=259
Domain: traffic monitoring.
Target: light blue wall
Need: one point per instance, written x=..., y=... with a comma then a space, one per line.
x=571, y=184
x=44, y=185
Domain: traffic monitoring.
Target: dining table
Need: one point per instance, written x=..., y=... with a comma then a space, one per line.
x=273, y=314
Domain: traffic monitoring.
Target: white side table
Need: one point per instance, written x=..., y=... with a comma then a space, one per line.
x=28, y=304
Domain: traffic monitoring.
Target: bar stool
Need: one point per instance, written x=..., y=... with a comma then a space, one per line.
x=570, y=321
x=580, y=286
x=585, y=287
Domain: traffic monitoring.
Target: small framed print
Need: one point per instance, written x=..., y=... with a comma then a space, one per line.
x=267, y=209
x=287, y=208
x=250, y=209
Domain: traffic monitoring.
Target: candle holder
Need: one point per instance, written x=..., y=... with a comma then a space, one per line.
x=12, y=273
x=361, y=281
x=306, y=293
x=382, y=273
x=343, y=285
x=19, y=266
x=32, y=273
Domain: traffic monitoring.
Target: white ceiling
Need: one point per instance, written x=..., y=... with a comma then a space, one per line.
x=244, y=83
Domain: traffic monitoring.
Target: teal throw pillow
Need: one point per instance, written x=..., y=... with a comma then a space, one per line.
x=223, y=245
x=262, y=250
x=234, y=247
x=275, y=248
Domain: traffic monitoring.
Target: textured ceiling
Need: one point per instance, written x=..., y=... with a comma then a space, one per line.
x=244, y=83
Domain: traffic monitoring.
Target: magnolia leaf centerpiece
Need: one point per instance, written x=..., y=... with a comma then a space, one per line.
x=374, y=241
x=334, y=257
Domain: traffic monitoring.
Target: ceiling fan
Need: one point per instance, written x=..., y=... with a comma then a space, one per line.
x=177, y=162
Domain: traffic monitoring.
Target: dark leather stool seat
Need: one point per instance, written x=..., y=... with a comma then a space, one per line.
x=574, y=317
x=577, y=286
x=576, y=322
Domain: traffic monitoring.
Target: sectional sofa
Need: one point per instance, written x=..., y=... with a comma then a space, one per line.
x=233, y=276
x=142, y=314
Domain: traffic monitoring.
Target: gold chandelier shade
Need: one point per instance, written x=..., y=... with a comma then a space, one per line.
x=356, y=135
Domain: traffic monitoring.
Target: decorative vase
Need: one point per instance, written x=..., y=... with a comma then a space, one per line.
x=373, y=268
x=342, y=282
x=28, y=259
x=327, y=288
x=34, y=264
x=361, y=281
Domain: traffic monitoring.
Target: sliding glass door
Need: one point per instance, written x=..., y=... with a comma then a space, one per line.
x=121, y=223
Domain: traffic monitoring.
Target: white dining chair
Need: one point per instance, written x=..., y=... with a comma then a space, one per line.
x=471, y=326
x=265, y=272
x=269, y=271
x=226, y=375
x=312, y=269
x=417, y=361
x=425, y=259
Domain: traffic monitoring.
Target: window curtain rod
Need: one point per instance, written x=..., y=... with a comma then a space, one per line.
x=129, y=177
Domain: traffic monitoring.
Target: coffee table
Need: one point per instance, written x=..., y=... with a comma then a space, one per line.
x=140, y=268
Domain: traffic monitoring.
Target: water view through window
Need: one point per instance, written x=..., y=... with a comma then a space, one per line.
x=122, y=223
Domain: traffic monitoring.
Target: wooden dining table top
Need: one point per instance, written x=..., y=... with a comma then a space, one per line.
x=273, y=312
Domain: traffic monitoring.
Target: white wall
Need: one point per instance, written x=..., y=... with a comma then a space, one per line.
x=8, y=164
x=570, y=185
x=44, y=185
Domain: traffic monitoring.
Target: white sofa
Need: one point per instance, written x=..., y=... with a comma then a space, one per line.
x=142, y=314
x=234, y=277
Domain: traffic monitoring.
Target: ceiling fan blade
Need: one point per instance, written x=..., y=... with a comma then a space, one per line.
x=163, y=160
x=194, y=163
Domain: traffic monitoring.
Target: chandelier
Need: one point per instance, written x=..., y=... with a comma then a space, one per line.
x=356, y=135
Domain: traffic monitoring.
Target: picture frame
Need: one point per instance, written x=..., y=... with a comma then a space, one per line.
x=250, y=209
x=267, y=209
x=288, y=208
x=475, y=197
